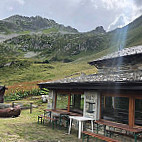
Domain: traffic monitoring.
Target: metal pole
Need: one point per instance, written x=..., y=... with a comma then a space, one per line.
x=31, y=107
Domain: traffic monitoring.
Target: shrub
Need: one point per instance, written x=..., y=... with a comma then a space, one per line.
x=20, y=94
x=66, y=60
x=44, y=91
x=46, y=62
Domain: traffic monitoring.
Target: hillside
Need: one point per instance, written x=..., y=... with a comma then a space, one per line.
x=45, y=53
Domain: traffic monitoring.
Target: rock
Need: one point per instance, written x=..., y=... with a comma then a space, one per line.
x=44, y=98
x=10, y=112
x=2, y=105
x=98, y=30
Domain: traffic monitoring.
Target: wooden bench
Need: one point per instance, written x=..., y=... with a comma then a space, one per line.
x=111, y=132
x=136, y=131
x=42, y=118
x=101, y=137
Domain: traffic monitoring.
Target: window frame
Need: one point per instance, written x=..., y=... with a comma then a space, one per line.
x=132, y=97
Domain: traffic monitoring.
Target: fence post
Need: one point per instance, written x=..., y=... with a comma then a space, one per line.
x=12, y=104
x=31, y=107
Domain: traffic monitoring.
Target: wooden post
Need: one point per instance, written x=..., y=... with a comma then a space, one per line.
x=13, y=104
x=31, y=107
x=131, y=112
x=69, y=101
x=77, y=101
x=55, y=101
x=100, y=115
x=104, y=102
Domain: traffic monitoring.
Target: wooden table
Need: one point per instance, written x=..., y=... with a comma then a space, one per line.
x=62, y=113
x=136, y=130
x=57, y=111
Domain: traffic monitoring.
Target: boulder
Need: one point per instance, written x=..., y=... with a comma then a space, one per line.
x=10, y=112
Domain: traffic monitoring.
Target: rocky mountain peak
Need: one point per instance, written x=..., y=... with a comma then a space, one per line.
x=100, y=29
x=36, y=23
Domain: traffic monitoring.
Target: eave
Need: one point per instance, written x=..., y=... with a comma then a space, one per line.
x=93, y=86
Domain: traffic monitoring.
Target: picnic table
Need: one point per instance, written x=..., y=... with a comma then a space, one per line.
x=62, y=113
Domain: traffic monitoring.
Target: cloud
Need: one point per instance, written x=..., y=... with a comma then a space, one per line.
x=85, y=15
x=115, y=4
x=127, y=11
x=10, y=8
x=119, y=22
x=138, y=3
x=21, y=2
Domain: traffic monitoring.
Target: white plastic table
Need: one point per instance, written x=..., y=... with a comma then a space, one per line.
x=80, y=119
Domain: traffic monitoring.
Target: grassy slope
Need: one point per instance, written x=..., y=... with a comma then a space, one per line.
x=35, y=72
x=30, y=71
x=26, y=129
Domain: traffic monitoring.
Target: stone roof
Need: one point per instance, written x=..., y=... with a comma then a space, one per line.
x=98, y=78
x=122, y=53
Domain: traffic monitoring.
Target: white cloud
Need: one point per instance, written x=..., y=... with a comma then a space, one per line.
x=116, y=4
x=127, y=12
x=10, y=8
x=138, y=2
x=21, y=2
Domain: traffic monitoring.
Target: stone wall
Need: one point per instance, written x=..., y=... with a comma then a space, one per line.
x=92, y=98
x=133, y=67
x=51, y=99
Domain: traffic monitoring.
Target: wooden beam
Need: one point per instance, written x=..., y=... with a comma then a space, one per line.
x=69, y=101
x=55, y=101
x=131, y=112
x=116, y=95
x=70, y=91
x=123, y=94
x=104, y=101
x=100, y=115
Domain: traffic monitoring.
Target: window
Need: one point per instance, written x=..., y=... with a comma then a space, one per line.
x=77, y=103
x=115, y=109
x=138, y=112
x=62, y=101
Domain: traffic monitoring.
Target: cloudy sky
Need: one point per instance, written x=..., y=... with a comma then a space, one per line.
x=84, y=15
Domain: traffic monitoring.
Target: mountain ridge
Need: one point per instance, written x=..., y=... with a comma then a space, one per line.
x=22, y=23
